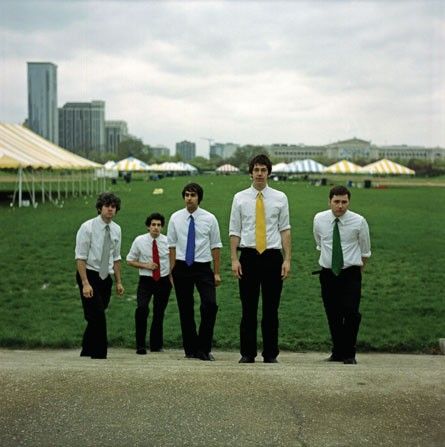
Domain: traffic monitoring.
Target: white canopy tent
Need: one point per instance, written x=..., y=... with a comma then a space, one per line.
x=280, y=168
x=169, y=166
x=306, y=166
x=25, y=151
x=131, y=164
x=226, y=169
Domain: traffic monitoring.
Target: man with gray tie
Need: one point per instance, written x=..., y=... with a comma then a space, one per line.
x=97, y=254
x=342, y=237
x=194, y=241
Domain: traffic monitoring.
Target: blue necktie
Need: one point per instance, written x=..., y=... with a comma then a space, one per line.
x=190, y=251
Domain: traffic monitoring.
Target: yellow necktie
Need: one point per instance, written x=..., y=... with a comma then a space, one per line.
x=260, y=224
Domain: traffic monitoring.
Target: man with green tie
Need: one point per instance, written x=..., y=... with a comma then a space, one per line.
x=342, y=237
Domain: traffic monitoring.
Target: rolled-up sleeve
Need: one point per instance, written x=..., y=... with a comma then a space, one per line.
x=283, y=223
x=364, y=239
x=172, y=237
x=83, y=242
x=235, y=219
x=117, y=247
x=215, y=237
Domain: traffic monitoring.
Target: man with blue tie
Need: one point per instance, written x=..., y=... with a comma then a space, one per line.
x=194, y=242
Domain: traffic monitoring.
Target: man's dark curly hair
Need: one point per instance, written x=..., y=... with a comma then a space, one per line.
x=107, y=198
x=260, y=159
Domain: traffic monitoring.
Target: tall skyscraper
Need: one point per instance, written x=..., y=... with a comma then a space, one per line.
x=115, y=133
x=82, y=126
x=43, y=117
x=186, y=150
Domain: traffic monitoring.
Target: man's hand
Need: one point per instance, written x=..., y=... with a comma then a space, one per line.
x=236, y=269
x=87, y=291
x=285, y=269
x=120, y=288
x=217, y=279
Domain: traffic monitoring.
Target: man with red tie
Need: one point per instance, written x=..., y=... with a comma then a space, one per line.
x=149, y=253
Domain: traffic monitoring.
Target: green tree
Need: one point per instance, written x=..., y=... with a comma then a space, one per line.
x=244, y=154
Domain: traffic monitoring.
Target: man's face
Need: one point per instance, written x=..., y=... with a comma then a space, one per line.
x=339, y=204
x=155, y=228
x=191, y=201
x=108, y=212
x=259, y=176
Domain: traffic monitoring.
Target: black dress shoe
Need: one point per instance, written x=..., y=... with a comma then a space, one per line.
x=208, y=357
x=141, y=351
x=270, y=360
x=350, y=361
x=246, y=359
x=157, y=350
x=333, y=358
x=99, y=357
x=85, y=354
x=190, y=356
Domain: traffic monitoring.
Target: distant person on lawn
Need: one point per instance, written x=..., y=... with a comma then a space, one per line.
x=194, y=242
x=260, y=229
x=150, y=254
x=342, y=236
x=97, y=254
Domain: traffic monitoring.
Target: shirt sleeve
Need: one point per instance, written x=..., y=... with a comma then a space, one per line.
x=83, y=242
x=283, y=223
x=172, y=237
x=364, y=239
x=316, y=234
x=215, y=238
x=134, y=253
x=117, y=246
x=235, y=219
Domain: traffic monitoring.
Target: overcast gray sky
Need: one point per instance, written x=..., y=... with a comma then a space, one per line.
x=255, y=72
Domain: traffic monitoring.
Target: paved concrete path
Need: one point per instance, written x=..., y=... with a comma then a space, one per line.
x=56, y=398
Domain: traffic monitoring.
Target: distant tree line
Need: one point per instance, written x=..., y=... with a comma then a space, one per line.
x=136, y=148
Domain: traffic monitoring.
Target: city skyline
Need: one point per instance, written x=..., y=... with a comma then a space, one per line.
x=243, y=72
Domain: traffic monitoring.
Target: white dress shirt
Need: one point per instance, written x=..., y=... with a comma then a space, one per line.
x=354, y=236
x=207, y=234
x=142, y=251
x=242, y=216
x=90, y=239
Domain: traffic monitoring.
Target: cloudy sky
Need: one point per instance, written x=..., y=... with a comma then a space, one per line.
x=255, y=72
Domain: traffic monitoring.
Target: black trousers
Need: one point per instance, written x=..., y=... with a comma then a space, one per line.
x=341, y=298
x=260, y=271
x=185, y=279
x=160, y=290
x=94, y=342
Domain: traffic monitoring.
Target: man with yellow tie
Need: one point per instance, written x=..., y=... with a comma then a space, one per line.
x=260, y=230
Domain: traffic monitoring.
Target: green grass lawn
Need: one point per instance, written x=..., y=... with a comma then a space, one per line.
x=402, y=303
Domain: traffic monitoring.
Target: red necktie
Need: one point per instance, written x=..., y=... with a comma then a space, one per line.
x=157, y=272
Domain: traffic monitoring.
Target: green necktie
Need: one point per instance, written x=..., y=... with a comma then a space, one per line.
x=337, y=252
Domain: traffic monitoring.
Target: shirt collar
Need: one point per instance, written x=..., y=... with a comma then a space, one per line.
x=341, y=218
x=263, y=191
x=102, y=222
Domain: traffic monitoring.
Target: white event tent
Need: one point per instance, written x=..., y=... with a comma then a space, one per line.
x=29, y=153
x=131, y=164
x=226, y=169
x=306, y=166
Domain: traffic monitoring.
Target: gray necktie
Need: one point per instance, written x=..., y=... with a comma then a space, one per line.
x=105, y=258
